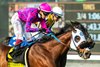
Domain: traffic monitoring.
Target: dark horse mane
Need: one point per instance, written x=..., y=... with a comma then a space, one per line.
x=68, y=25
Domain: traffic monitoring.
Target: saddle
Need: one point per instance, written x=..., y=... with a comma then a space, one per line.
x=19, y=56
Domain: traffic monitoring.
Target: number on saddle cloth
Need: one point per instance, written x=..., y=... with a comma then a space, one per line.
x=23, y=44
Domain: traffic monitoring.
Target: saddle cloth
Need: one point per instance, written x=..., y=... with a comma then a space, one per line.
x=17, y=58
x=12, y=64
x=12, y=41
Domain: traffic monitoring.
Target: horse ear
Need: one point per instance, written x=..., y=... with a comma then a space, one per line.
x=73, y=28
x=71, y=21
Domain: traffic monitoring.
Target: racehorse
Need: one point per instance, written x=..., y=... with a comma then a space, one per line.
x=53, y=52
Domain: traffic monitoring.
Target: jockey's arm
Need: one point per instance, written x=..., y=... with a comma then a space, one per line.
x=29, y=21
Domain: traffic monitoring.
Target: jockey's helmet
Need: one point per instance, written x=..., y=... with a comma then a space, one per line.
x=45, y=7
x=58, y=11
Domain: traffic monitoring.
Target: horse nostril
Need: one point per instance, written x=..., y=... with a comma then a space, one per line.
x=88, y=54
x=82, y=45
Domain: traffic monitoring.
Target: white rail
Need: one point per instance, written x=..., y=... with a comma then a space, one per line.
x=76, y=57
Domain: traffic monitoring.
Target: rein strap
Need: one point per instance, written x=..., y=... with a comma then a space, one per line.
x=52, y=35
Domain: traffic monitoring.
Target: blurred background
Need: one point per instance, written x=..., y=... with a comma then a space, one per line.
x=85, y=11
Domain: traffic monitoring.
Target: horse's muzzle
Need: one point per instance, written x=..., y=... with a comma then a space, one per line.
x=85, y=55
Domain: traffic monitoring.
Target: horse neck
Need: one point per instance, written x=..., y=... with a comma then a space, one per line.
x=4, y=49
x=56, y=48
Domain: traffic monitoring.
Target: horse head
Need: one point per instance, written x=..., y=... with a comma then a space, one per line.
x=81, y=41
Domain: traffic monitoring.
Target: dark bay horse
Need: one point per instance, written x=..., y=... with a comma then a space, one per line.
x=53, y=53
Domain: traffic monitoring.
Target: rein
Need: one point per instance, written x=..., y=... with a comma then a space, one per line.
x=70, y=23
x=75, y=46
x=52, y=35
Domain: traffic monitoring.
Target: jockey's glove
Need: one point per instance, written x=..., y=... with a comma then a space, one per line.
x=45, y=30
x=48, y=30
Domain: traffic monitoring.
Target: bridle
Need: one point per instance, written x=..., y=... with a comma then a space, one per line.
x=74, y=45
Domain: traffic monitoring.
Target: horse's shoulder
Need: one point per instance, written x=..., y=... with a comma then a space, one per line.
x=39, y=47
x=36, y=45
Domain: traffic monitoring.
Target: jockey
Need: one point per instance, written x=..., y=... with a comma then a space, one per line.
x=53, y=17
x=23, y=19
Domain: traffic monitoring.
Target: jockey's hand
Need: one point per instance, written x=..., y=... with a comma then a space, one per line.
x=45, y=30
x=48, y=31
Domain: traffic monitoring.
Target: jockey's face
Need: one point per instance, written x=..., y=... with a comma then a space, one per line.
x=56, y=17
x=43, y=14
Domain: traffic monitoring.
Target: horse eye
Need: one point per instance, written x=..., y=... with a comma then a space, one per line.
x=77, y=39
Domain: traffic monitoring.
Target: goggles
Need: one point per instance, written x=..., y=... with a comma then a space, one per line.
x=57, y=16
x=46, y=13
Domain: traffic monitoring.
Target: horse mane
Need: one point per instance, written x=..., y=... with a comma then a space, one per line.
x=78, y=25
x=75, y=24
x=67, y=27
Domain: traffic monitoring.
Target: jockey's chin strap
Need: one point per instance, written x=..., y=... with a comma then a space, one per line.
x=52, y=35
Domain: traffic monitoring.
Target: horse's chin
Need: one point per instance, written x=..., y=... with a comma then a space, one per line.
x=85, y=55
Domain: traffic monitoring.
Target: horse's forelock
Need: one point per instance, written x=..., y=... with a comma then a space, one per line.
x=81, y=27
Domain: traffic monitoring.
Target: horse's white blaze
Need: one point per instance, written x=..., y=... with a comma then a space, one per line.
x=79, y=33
